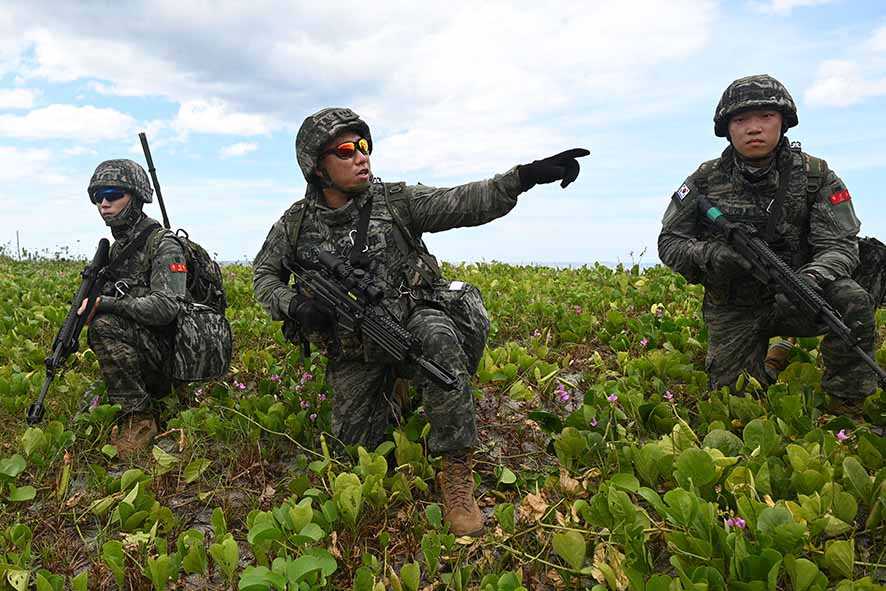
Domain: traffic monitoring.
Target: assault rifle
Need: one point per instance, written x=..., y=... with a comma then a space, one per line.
x=768, y=268
x=67, y=339
x=355, y=298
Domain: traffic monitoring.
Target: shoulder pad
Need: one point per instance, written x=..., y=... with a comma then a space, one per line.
x=395, y=187
x=707, y=167
x=816, y=172
x=157, y=237
x=296, y=207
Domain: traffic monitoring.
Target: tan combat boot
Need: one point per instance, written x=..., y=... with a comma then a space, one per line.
x=456, y=482
x=133, y=435
x=777, y=357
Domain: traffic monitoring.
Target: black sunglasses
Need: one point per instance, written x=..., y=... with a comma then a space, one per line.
x=108, y=193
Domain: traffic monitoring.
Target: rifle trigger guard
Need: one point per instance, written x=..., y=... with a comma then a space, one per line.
x=122, y=287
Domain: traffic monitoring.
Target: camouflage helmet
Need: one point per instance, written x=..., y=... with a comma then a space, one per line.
x=754, y=92
x=124, y=174
x=318, y=129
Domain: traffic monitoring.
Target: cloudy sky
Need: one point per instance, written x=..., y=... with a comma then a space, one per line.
x=454, y=92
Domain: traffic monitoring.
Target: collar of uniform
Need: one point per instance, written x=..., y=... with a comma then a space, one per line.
x=124, y=234
x=764, y=178
x=344, y=214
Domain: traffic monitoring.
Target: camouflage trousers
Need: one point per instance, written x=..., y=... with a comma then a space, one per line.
x=738, y=338
x=134, y=360
x=363, y=405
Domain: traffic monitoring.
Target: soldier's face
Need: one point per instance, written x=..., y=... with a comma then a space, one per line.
x=755, y=133
x=351, y=174
x=109, y=209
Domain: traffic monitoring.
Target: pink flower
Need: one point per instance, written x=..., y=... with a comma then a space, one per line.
x=321, y=396
x=577, y=309
x=536, y=333
x=239, y=385
x=275, y=378
x=841, y=435
x=313, y=416
x=304, y=404
x=735, y=522
x=659, y=311
x=668, y=396
x=644, y=341
x=564, y=396
x=613, y=398
x=594, y=422
x=306, y=377
x=561, y=393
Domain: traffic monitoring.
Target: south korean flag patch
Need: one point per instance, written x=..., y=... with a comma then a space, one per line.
x=682, y=192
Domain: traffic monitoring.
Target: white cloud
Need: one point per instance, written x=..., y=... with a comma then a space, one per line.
x=16, y=163
x=17, y=98
x=878, y=40
x=238, y=149
x=842, y=83
x=88, y=124
x=216, y=117
x=785, y=7
x=79, y=151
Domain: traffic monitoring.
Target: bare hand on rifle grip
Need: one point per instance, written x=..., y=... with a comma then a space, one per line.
x=82, y=309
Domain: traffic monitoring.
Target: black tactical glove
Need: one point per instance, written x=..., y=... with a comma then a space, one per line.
x=563, y=166
x=724, y=262
x=314, y=316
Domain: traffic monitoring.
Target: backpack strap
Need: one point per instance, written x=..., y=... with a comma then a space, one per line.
x=423, y=266
x=292, y=220
x=816, y=169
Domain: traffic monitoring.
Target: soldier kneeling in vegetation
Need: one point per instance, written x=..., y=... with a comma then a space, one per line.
x=378, y=226
x=804, y=212
x=133, y=323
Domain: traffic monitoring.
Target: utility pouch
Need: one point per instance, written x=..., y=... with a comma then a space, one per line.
x=463, y=303
x=871, y=270
x=202, y=344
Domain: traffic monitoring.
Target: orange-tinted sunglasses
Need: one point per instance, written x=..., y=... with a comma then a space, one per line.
x=346, y=150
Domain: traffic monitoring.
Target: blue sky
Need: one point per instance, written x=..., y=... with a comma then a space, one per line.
x=453, y=92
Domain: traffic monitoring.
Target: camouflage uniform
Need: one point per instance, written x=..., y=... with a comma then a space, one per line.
x=817, y=235
x=132, y=331
x=360, y=376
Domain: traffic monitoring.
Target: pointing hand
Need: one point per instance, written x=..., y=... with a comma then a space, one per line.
x=560, y=167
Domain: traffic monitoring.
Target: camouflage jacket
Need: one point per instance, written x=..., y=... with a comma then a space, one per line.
x=427, y=209
x=817, y=233
x=154, y=278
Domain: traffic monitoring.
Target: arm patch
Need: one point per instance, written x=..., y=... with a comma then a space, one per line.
x=840, y=197
x=178, y=267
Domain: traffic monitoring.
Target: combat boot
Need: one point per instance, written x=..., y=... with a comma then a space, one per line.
x=777, y=357
x=456, y=483
x=134, y=434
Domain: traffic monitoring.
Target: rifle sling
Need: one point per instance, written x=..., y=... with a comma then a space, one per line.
x=358, y=257
x=776, y=208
